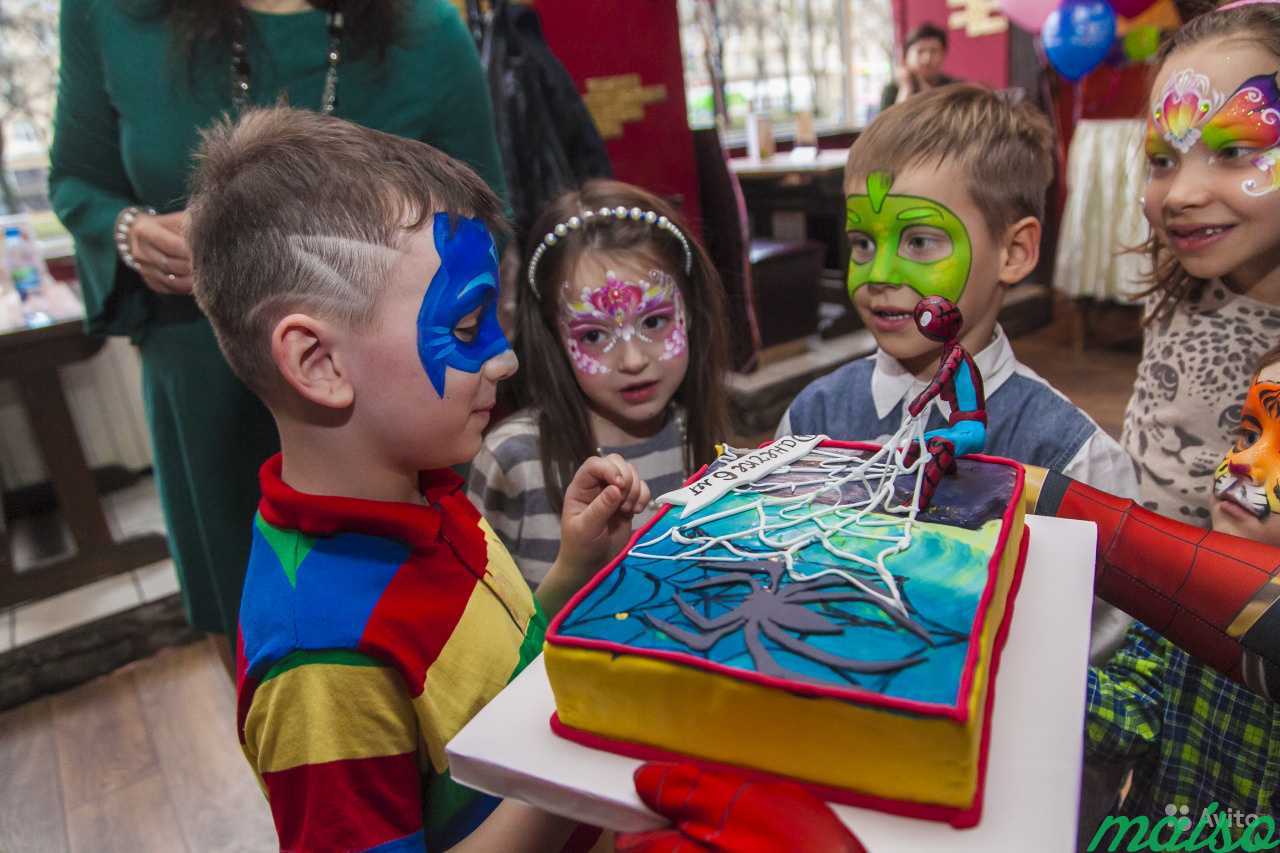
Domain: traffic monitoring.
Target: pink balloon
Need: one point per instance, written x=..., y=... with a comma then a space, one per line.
x=1030, y=14
x=1131, y=8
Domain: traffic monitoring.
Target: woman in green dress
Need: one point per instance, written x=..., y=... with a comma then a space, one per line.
x=139, y=79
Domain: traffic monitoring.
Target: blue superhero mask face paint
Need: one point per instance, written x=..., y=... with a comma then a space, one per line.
x=466, y=282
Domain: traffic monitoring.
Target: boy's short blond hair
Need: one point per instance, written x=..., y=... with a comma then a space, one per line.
x=292, y=210
x=1005, y=149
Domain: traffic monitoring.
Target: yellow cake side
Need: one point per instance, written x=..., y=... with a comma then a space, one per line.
x=827, y=741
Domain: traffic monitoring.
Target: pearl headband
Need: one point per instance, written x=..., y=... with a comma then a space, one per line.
x=576, y=223
x=1240, y=3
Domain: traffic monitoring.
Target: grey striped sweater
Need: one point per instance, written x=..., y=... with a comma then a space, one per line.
x=506, y=485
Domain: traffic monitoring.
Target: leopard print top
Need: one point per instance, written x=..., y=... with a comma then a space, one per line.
x=1192, y=380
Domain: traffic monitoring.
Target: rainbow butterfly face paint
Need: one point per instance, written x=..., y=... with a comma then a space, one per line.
x=1250, y=119
x=595, y=320
x=1187, y=102
x=1191, y=111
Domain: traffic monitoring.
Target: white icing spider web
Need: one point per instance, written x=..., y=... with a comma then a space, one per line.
x=804, y=504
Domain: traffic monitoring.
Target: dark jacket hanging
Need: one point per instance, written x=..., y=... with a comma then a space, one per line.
x=548, y=140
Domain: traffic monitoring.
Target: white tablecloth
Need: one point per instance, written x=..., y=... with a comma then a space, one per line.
x=1106, y=175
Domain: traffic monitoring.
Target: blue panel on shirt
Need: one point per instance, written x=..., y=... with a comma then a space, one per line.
x=339, y=583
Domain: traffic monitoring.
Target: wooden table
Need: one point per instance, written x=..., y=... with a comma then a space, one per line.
x=31, y=358
x=795, y=198
x=825, y=161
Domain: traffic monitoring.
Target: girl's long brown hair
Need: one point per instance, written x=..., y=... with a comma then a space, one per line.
x=1169, y=281
x=564, y=430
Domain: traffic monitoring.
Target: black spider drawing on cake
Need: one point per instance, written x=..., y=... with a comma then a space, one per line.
x=772, y=610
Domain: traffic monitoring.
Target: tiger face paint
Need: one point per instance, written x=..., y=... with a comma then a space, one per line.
x=1249, y=476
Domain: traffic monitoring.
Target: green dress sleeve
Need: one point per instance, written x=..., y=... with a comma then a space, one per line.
x=462, y=124
x=87, y=182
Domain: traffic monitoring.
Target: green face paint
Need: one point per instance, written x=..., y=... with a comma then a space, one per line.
x=907, y=241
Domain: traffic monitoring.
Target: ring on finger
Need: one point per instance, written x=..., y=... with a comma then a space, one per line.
x=170, y=276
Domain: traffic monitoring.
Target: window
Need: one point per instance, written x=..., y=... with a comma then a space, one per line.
x=28, y=83
x=829, y=57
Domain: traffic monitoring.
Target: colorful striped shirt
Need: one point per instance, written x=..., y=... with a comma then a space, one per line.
x=506, y=483
x=370, y=633
x=1198, y=737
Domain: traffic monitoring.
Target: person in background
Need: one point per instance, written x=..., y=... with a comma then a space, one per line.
x=921, y=70
x=139, y=80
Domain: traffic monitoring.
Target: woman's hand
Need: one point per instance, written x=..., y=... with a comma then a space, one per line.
x=159, y=246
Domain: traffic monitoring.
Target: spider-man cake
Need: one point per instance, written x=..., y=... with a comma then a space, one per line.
x=794, y=614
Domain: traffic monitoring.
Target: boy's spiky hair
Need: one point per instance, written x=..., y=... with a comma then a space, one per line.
x=1005, y=149
x=292, y=210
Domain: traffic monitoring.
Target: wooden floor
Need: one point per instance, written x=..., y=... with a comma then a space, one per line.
x=146, y=758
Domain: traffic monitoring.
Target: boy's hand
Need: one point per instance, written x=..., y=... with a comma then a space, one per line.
x=598, y=505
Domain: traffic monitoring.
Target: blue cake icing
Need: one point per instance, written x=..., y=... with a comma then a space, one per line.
x=749, y=613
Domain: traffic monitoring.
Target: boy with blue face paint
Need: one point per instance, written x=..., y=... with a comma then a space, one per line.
x=945, y=197
x=352, y=279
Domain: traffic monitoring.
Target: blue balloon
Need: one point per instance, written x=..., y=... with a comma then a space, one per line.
x=1078, y=36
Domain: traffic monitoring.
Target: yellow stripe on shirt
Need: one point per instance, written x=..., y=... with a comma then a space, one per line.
x=320, y=712
x=475, y=663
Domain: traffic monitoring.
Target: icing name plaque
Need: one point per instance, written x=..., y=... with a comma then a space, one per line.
x=733, y=468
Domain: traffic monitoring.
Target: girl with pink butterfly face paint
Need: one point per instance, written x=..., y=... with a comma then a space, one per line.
x=624, y=330
x=620, y=328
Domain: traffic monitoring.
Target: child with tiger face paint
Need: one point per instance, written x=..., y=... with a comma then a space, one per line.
x=1246, y=486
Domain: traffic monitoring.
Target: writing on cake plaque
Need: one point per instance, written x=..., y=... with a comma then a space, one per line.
x=977, y=17
x=733, y=469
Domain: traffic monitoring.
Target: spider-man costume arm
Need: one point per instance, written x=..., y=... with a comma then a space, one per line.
x=1213, y=594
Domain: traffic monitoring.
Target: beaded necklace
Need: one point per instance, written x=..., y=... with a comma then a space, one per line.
x=240, y=66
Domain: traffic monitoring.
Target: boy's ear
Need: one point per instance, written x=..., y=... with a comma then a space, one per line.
x=303, y=349
x=1021, y=250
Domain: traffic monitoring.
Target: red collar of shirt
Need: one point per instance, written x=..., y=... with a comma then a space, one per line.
x=324, y=515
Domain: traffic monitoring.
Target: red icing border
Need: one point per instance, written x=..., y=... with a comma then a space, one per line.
x=958, y=710
x=958, y=818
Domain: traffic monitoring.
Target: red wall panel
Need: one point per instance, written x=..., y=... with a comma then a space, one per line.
x=606, y=38
x=978, y=59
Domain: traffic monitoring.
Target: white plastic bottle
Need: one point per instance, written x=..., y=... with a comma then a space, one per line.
x=23, y=262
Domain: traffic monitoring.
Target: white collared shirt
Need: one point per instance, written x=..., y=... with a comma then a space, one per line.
x=1100, y=462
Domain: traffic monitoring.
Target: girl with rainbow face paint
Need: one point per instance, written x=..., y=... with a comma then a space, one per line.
x=1213, y=149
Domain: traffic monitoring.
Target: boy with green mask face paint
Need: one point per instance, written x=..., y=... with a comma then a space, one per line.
x=883, y=226
x=944, y=198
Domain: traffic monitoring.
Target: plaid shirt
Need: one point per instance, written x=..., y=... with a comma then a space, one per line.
x=1197, y=737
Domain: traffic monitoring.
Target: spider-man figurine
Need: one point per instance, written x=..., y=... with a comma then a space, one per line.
x=959, y=384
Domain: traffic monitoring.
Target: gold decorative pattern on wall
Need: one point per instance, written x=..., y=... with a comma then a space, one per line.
x=977, y=17
x=613, y=101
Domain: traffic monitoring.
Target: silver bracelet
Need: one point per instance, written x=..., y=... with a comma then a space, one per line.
x=124, y=226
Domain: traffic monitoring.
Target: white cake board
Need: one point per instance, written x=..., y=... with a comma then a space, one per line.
x=1033, y=775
